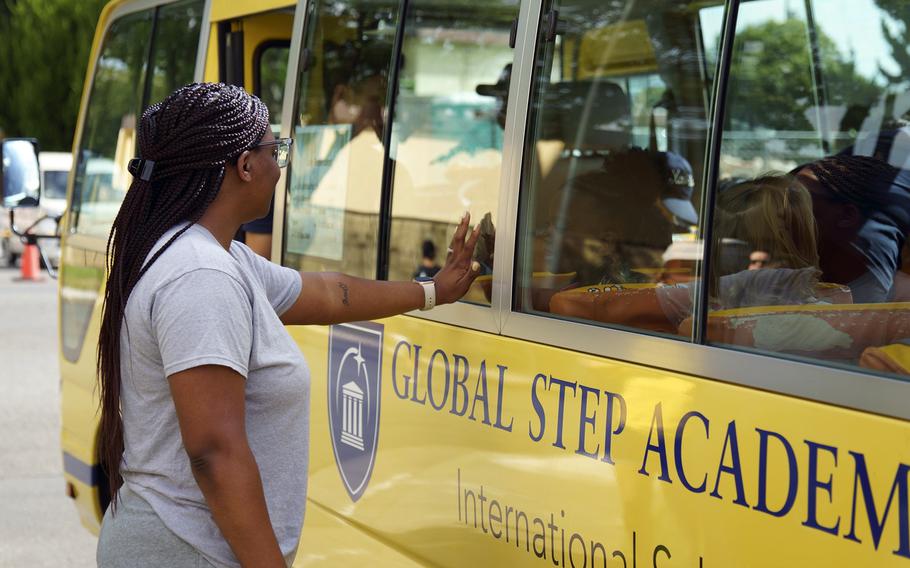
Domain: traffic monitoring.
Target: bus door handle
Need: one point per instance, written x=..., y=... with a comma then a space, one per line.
x=552, y=25
x=306, y=59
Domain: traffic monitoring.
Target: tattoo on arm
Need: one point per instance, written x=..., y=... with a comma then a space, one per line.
x=344, y=289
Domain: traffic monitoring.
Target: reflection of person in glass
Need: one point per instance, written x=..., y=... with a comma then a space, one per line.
x=622, y=216
x=499, y=90
x=863, y=212
x=428, y=265
x=773, y=214
x=759, y=259
x=359, y=103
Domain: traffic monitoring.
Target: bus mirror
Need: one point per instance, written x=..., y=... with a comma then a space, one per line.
x=19, y=173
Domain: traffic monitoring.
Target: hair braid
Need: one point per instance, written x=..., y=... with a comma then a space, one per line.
x=191, y=136
x=861, y=180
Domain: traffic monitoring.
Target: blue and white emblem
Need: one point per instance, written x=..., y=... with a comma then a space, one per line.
x=355, y=368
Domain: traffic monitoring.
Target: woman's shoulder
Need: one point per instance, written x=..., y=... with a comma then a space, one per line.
x=193, y=250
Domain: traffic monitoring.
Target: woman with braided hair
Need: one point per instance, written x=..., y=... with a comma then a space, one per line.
x=862, y=206
x=205, y=397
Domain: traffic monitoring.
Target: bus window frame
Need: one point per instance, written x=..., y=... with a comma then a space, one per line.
x=491, y=318
x=106, y=20
x=282, y=188
x=257, y=63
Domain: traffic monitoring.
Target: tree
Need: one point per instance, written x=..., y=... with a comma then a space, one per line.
x=773, y=85
x=44, y=48
x=899, y=12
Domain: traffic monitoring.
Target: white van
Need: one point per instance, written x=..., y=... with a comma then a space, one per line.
x=55, y=171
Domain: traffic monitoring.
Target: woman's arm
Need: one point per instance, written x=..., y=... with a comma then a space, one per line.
x=330, y=297
x=210, y=409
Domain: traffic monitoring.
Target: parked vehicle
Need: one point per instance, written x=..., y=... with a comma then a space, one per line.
x=536, y=422
x=55, y=173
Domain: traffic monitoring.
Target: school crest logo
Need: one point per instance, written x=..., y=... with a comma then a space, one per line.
x=355, y=366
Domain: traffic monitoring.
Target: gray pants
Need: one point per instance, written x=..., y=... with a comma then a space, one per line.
x=136, y=538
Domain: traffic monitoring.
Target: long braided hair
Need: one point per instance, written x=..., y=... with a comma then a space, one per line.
x=190, y=136
x=862, y=180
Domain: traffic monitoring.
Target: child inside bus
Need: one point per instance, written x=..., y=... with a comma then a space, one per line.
x=773, y=214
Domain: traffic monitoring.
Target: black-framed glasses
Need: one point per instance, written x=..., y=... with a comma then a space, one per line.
x=281, y=150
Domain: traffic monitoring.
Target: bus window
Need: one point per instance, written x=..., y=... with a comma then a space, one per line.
x=270, y=69
x=176, y=42
x=615, y=152
x=117, y=98
x=108, y=130
x=817, y=110
x=448, y=132
x=332, y=214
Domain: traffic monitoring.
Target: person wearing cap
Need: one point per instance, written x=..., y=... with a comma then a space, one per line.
x=621, y=216
x=773, y=214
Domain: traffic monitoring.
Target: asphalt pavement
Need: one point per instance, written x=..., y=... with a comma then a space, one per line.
x=39, y=526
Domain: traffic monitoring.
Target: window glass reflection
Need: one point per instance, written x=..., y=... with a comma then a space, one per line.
x=614, y=158
x=336, y=173
x=272, y=68
x=108, y=135
x=109, y=132
x=448, y=132
x=818, y=98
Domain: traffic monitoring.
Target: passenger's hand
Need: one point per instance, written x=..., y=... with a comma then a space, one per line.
x=453, y=281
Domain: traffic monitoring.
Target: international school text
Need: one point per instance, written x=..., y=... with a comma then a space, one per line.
x=560, y=409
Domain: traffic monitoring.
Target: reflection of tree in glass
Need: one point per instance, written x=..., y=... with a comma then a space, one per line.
x=772, y=82
x=116, y=90
x=176, y=41
x=273, y=67
x=898, y=39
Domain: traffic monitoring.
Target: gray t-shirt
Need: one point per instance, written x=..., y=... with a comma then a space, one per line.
x=199, y=304
x=745, y=289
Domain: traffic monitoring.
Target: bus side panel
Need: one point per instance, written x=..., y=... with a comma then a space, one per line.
x=81, y=299
x=498, y=452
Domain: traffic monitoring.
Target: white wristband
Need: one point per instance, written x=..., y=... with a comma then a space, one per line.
x=429, y=294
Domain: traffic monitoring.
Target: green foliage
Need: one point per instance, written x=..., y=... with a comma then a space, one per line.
x=774, y=86
x=899, y=12
x=44, y=48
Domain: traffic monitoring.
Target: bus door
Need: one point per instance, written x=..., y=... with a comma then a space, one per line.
x=141, y=54
x=250, y=47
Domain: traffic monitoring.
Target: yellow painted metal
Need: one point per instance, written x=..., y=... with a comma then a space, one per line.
x=258, y=30
x=231, y=9
x=211, y=57
x=430, y=461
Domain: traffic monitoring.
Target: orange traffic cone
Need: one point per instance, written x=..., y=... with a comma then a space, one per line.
x=30, y=268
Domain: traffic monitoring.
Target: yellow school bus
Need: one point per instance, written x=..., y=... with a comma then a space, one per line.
x=590, y=402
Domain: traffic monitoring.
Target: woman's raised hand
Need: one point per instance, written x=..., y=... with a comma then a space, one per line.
x=453, y=281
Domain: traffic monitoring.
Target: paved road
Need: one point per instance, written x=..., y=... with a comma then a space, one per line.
x=38, y=523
